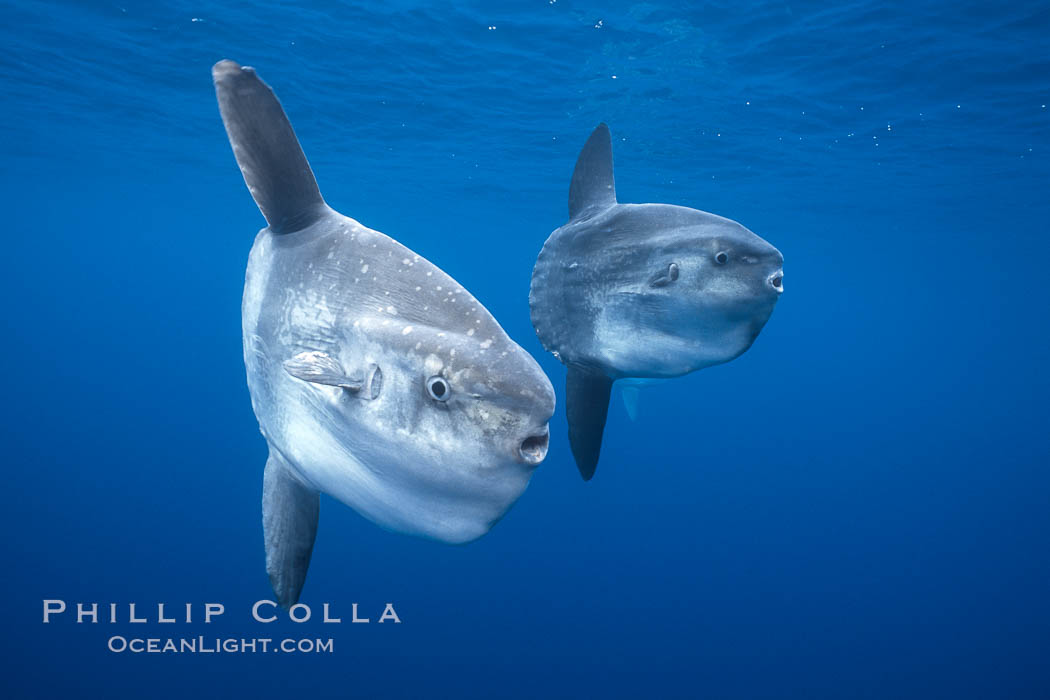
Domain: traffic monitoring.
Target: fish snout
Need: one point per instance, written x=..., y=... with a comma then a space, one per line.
x=533, y=449
x=776, y=281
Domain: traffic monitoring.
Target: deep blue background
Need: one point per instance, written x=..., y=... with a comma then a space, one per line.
x=857, y=507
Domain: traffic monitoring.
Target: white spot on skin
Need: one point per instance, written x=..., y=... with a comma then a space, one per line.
x=433, y=364
x=470, y=332
x=364, y=269
x=406, y=261
x=406, y=330
x=487, y=343
x=391, y=310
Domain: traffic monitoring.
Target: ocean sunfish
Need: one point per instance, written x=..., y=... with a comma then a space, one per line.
x=644, y=291
x=376, y=378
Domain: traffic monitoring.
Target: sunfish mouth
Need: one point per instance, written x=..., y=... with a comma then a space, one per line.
x=776, y=281
x=534, y=448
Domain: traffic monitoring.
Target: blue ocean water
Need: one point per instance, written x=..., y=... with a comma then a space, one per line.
x=856, y=507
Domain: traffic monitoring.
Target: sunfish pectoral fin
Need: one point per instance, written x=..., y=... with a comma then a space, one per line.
x=290, y=511
x=586, y=405
x=592, y=184
x=321, y=368
x=268, y=153
x=629, y=392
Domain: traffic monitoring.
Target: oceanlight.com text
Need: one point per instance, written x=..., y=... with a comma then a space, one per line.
x=218, y=645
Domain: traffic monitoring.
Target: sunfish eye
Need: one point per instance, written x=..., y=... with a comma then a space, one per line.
x=721, y=257
x=438, y=388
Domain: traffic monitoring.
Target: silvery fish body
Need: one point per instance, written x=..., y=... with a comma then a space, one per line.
x=642, y=291
x=375, y=377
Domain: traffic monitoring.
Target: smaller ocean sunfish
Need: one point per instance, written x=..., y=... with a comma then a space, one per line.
x=376, y=377
x=642, y=291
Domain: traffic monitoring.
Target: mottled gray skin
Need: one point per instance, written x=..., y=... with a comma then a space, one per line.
x=442, y=469
x=597, y=298
x=642, y=291
x=375, y=377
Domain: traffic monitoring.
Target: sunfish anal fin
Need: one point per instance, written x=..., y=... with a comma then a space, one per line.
x=290, y=511
x=592, y=184
x=586, y=405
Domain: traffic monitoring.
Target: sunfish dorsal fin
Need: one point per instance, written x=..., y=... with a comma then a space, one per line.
x=268, y=153
x=586, y=406
x=592, y=185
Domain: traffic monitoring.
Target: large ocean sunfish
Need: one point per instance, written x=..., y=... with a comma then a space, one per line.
x=376, y=378
x=642, y=290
